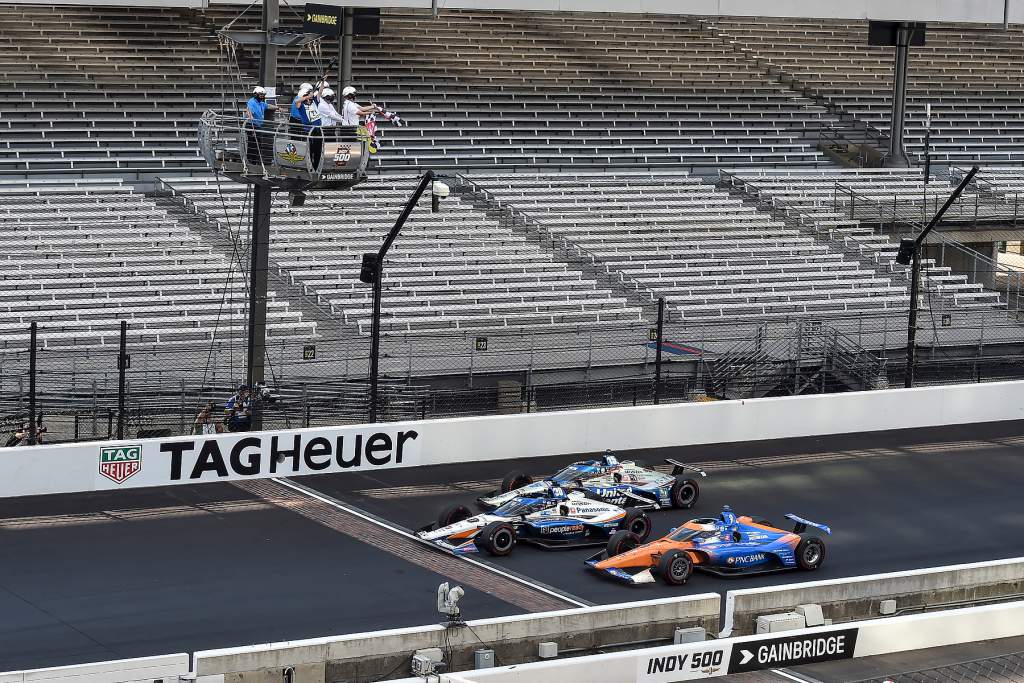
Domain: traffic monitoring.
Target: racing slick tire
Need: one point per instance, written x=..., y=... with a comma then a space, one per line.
x=810, y=553
x=497, y=538
x=622, y=541
x=637, y=523
x=453, y=514
x=514, y=480
x=675, y=567
x=684, y=493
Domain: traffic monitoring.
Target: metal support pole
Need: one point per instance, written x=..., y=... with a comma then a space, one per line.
x=345, y=50
x=259, y=264
x=122, y=368
x=915, y=277
x=657, y=351
x=897, y=157
x=32, y=384
x=425, y=181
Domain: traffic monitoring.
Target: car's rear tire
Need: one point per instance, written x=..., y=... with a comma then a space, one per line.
x=675, y=567
x=453, y=514
x=684, y=493
x=514, y=480
x=621, y=541
x=810, y=553
x=637, y=523
x=497, y=538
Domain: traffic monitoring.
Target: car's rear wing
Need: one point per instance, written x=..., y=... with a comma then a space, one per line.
x=680, y=467
x=802, y=524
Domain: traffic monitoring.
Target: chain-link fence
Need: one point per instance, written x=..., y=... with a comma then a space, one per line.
x=1007, y=668
x=98, y=392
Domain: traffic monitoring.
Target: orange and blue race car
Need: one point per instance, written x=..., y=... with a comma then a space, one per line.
x=728, y=545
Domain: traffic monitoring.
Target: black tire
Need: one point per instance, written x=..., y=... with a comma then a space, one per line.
x=452, y=514
x=497, y=538
x=675, y=567
x=514, y=480
x=684, y=493
x=621, y=541
x=637, y=523
x=810, y=553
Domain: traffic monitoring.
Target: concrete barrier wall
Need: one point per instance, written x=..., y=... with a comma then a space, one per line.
x=853, y=599
x=229, y=457
x=368, y=656
x=162, y=669
x=877, y=637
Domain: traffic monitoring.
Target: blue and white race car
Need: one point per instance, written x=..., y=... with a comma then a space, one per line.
x=623, y=483
x=553, y=518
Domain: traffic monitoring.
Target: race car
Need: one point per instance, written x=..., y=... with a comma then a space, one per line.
x=625, y=483
x=553, y=518
x=726, y=546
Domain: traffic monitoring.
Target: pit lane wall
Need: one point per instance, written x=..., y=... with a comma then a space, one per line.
x=713, y=659
x=364, y=657
x=853, y=599
x=200, y=459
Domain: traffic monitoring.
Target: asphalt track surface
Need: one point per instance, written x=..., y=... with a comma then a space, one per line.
x=94, y=577
x=89, y=577
x=895, y=500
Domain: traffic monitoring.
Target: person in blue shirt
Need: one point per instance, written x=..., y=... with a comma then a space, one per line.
x=306, y=111
x=256, y=109
x=238, y=410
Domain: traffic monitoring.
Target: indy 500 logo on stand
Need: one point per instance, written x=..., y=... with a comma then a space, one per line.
x=118, y=463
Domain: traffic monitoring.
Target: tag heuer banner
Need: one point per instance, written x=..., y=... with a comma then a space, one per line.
x=325, y=20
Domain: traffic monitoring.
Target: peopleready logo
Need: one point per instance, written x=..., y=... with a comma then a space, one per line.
x=287, y=454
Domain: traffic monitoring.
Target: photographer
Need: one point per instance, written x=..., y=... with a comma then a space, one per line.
x=206, y=423
x=238, y=410
x=23, y=436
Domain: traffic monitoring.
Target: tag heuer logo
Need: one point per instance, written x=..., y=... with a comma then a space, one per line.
x=118, y=463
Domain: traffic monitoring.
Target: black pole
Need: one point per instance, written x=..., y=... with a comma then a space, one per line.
x=657, y=351
x=122, y=366
x=258, y=266
x=425, y=181
x=915, y=277
x=32, y=384
x=897, y=157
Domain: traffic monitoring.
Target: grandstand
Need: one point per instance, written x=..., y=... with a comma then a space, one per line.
x=600, y=162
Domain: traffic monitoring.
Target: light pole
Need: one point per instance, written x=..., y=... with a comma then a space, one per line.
x=927, y=143
x=372, y=272
x=910, y=253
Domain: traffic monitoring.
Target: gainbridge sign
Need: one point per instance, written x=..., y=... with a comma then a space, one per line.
x=325, y=20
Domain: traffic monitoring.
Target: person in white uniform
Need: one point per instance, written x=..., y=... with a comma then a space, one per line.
x=328, y=114
x=351, y=110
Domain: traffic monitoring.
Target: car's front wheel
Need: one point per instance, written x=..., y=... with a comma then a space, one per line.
x=684, y=493
x=810, y=553
x=497, y=538
x=637, y=523
x=675, y=567
x=453, y=514
x=622, y=541
x=514, y=480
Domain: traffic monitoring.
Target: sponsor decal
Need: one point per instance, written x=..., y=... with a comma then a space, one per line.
x=566, y=529
x=285, y=454
x=342, y=157
x=683, y=667
x=291, y=154
x=119, y=463
x=771, y=653
x=746, y=559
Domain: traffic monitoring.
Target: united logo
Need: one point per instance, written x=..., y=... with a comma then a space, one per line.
x=118, y=463
x=291, y=154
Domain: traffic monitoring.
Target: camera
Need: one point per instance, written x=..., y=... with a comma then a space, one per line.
x=260, y=392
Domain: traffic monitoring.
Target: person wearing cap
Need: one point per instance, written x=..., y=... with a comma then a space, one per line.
x=351, y=110
x=238, y=410
x=305, y=111
x=256, y=112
